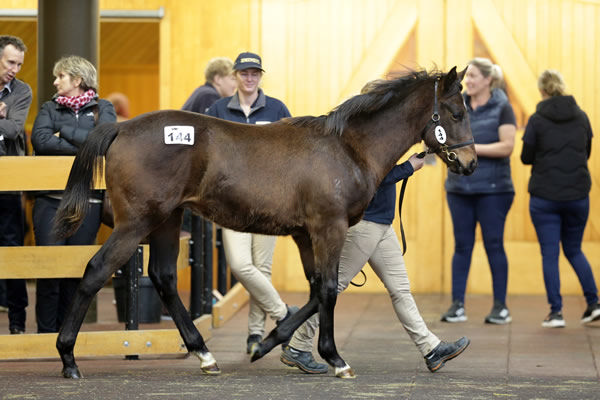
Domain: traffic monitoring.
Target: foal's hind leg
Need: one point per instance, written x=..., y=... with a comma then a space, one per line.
x=119, y=248
x=162, y=268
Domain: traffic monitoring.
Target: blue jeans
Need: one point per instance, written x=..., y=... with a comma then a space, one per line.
x=556, y=222
x=490, y=211
x=53, y=296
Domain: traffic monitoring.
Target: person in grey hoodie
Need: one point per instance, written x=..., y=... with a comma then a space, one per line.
x=557, y=143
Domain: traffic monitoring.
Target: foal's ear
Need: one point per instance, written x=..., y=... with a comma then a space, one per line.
x=461, y=74
x=449, y=79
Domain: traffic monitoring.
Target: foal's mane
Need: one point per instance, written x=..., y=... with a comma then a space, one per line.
x=380, y=95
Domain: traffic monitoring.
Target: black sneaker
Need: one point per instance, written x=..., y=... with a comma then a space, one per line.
x=251, y=341
x=304, y=360
x=499, y=314
x=591, y=314
x=16, y=331
x=444, y=352
x=554, y=320
x=456, y=313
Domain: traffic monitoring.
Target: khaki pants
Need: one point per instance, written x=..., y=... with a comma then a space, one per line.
x=250, y=257
x=379, y=245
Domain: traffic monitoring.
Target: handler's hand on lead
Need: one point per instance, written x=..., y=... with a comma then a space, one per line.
x=3, y=109
x=416, y=162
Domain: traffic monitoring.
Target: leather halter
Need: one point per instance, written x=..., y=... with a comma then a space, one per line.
x=435, y=120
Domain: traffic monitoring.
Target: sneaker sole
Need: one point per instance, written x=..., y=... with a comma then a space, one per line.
x=495, y=321
x=449, y=357
x=454, y=319
x=593, y=317
x=293, y=363
x=553, y=324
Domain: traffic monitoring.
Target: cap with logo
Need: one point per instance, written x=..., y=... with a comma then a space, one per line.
x=247, y=60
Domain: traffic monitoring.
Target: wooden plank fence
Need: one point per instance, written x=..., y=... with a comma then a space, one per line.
x=32, y=262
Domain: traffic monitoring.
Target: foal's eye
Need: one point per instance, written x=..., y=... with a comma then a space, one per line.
x=458, y=116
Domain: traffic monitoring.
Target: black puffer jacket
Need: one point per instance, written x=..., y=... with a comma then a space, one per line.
x=557, y=142
x=73, y=128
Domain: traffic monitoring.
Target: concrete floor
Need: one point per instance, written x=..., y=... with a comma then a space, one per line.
x=517, y=361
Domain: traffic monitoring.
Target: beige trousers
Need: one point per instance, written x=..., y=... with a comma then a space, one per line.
x=250, y=257
x=379, y=245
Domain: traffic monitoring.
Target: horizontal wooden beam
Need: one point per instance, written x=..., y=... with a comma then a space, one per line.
x=31, y=262
x=33, y=173
x=102, y=343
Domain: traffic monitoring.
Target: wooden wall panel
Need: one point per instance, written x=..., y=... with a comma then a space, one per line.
x=319, y=52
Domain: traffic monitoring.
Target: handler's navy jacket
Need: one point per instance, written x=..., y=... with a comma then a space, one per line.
x=265, y=109
x=381, y=208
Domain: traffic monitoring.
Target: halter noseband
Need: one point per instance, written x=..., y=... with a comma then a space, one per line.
x=435, y=120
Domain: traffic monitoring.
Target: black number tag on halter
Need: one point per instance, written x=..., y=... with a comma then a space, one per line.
x=440, y=134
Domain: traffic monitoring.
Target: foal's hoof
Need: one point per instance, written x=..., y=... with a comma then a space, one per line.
x=255, y=352
x=345, y=372
x=212, y=369
x=71, y=373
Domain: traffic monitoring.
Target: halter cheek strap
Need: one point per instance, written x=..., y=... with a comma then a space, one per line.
x=440, y=133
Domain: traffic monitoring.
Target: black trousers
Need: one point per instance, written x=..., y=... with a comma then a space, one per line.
x=12, y=233
x=53, y=296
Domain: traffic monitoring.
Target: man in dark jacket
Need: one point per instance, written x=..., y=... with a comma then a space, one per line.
x=15, y=99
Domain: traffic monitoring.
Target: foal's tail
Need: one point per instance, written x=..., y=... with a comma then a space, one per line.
x=87, y=167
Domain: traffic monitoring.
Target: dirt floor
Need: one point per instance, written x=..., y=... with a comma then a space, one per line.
x=518, y=361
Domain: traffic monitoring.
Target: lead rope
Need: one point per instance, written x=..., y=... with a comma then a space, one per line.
x=435, y=119
x=400, y=201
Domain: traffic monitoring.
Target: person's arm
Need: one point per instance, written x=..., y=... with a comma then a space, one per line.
x=404, y=170
x=528, y=152
x=506, y=136
x=13, y=124
x=43, y=137
x=503, y=147
x=589, y=135
x=76, y=136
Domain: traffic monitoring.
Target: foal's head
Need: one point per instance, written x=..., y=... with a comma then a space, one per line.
x=448, y=132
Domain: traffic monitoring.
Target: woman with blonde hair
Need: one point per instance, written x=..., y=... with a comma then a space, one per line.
x=485, y=196
x=557, y=143
x=60, y=128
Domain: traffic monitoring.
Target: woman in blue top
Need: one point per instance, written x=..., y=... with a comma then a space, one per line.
x=557, y=143
x=487, y=194
x=373, y=240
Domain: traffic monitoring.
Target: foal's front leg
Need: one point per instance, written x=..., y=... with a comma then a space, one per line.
x=327, y=294
x=327, y=245
x=284, y=331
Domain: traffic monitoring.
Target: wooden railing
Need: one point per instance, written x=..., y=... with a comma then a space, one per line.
x=31, y=262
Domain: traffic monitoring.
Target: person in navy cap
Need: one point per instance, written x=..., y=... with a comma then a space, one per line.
x=250, y=256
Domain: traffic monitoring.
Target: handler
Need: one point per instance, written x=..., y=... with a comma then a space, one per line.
x=373, y=239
